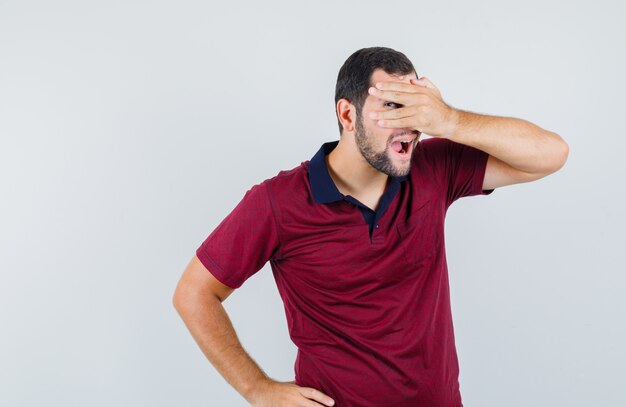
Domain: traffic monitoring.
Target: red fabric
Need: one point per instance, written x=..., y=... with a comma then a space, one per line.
x=371, y=317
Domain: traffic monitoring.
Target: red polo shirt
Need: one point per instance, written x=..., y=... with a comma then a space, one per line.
x=367, y=306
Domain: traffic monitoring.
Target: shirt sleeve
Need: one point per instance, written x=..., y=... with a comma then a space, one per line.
x=243, y=241
x=459, y=168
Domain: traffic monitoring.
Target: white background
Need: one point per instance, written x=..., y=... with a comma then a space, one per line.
x=129, y=129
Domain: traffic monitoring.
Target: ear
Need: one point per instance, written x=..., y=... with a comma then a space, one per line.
x=346, y=112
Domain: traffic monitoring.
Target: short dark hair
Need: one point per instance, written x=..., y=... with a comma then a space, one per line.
x=354, y=76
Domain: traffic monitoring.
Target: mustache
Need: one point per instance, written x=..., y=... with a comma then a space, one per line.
x=405, y=132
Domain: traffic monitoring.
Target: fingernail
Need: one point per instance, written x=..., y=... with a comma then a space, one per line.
x=330, y=402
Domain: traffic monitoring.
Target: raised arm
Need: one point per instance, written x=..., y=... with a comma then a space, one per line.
x=519, y=151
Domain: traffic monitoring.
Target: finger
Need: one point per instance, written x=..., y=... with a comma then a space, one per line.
x=398, y=113
x=396, y=123
x=398, y=86
x=424, y=81
x=316, y=395
x=392, y=96
x=309, y=403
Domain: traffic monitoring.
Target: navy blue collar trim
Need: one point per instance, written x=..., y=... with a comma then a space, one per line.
x=322, y=186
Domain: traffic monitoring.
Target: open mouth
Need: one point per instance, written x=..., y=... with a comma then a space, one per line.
x=402, y=148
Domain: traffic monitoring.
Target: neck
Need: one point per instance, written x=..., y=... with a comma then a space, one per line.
x=352, y=174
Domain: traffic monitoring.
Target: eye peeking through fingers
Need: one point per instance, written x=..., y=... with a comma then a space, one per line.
x=398, y=105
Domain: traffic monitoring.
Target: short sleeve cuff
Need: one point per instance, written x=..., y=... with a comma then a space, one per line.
x=214, y=268
x=479, y=178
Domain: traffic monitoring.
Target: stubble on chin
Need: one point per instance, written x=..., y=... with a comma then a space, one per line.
x=382, y=160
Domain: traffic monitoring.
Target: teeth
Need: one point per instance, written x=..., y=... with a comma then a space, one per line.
x=405, y=139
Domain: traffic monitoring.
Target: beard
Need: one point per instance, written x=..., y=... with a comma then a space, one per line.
x=380, y=160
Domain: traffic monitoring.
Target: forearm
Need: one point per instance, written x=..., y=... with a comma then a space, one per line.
x=212, y=329
x=518, y=142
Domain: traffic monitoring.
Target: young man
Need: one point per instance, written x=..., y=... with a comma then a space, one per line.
x=355, y=241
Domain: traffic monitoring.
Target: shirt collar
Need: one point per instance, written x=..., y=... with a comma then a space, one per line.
x=322, y=186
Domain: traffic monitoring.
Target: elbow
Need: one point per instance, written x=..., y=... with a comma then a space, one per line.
x=182, y=298
x=561, y=154
x=184, y=303
x=187, y=299
x=177, y=299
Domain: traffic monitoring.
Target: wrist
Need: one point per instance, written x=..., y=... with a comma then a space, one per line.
x=452, y=124
x=256, y=387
